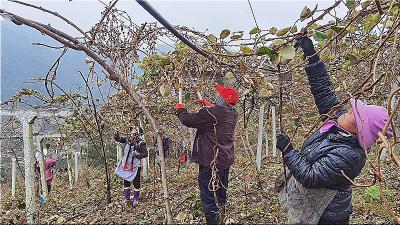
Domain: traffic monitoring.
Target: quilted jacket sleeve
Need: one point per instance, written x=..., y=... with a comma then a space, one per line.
x=325, y=172
x=321, y=87
x=200, y=120
x=142, y=150
x=121, y=139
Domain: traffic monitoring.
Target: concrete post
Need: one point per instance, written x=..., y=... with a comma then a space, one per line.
x=145, y=161
x=76, y=166
x=119, y=152
x=260, y=136
x=266, y=144
x=273, y=123
x=27, y=126
x=27, y=118
x=42, y=168
x=13, y=176
x=69, y=171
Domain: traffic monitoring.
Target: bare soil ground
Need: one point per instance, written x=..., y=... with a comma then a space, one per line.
x=249, y=201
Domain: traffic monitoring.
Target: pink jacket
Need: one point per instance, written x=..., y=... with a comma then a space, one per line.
x=48, y=165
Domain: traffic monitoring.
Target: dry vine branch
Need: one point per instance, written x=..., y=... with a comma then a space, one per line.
x=75, y=44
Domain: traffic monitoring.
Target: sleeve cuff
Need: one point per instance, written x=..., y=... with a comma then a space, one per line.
x=288, y=154
x=316, y=69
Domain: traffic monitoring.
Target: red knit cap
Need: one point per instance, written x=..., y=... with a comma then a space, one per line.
x=228, y=93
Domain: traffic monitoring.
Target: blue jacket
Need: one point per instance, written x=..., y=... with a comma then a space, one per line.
x=324, y=156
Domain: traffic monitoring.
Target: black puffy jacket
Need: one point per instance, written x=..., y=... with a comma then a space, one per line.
x=324, y=156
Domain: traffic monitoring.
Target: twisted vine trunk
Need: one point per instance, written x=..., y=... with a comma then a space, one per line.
x=75, y=44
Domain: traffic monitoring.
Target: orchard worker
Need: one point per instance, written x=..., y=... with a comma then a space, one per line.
x=129, y=166
x=318, y=191
x=213, y=148
x=48, y=169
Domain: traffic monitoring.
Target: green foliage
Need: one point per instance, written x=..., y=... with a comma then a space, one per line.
x=337, y=28
x=195, y=207
x=29, y=92
x=187, y=96
x=212, y=39
x=21, y=205
x=282, y=32
x=165, y=90
x=372, y=194
x=287, y=52
x=305, y=13
x=351, y=4
x=266, y=51
x=116, y=180
x=255, y=30
x=320, y=36
x=225, y=33
x=150, y=64
x=229, y=75
x=351, y=57
x=394, y=10
x=314, y=26
x=95, y=154
x=245, y=49
x=371, y=21
x=181, y=46
x=237, y=36
x=273, y=30
x=293, y=29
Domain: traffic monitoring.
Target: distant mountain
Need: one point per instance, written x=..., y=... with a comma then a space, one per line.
x=21, y=61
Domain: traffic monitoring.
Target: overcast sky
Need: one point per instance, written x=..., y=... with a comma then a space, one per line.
x=213, y=16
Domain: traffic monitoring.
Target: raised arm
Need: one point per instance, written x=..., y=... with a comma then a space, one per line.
x=142, y=151
x=118, y=138
x=318, y=77
x=200, y=120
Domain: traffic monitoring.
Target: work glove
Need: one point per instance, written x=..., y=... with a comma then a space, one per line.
x=205, y=102
x=179, y=106
x=283, y=142
x=306, y=44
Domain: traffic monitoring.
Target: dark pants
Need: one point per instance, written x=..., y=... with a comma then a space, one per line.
x=48, y=188
x=207, y=196
x=322, y=222
x=136, y=181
